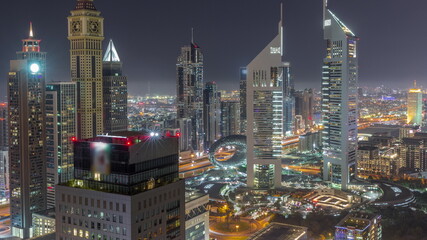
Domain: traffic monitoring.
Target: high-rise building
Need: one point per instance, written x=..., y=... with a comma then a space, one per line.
x=211, y=113
x=288, y=101
x=190, y=91
x=61, y=129
x=196, y=216
x=230, y=118
x=126, y=187
x=86, y=33
x=26, y=87
x=184, y=125
x=415, y=106
x=304, y=106
x=242, y=90
x=4, y=150
x=265, y=115
x=115, y=92
x=4, y=128
x=339, y=101
x=363, y=226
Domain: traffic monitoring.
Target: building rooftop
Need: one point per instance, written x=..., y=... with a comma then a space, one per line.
x=191, y=195
x=358, y=221
x=280, y=231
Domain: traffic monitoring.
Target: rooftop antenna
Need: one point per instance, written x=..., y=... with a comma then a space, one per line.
x=415, y=83
x=192, y=35
x=325, y=6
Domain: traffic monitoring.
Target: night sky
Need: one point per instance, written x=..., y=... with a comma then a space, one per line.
x=148, y=35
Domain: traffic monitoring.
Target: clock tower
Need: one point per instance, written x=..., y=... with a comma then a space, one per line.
x=86, y=33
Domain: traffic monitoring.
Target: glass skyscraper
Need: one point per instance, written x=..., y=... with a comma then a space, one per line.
x=339, y=101
x=26, y=89
x=265, y=115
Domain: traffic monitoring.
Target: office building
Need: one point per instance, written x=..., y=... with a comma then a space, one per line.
x=86, y=33
x=211, y=114
x=196, y=215
x=265, y=115
x=26, y=89
x=4, y=128
x=189, y=69
x=415, y=106
x=61, y=129
x=310, y=141
x=184, y=125
x=339, y=101
x=288, y=101
x=413, y=154
x=44, y=224
x=115, y=92
x=242, y=91
x=371, y=161
x=304, y=106
x=230, y=118
x=126, y=186
x=359, y=225
x=4, y=150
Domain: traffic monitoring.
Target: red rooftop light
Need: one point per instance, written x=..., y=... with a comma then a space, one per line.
x=74, y=139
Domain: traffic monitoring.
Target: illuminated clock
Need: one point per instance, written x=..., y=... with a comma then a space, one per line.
x=93, y=26
x=76, y=27
x=34, y=68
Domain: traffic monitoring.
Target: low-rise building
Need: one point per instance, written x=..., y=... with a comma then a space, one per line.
x=196, y=216
x=361, y=226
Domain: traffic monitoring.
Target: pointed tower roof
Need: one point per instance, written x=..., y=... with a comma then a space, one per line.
x=346, y=30
x=31, y=30
x=111, y=54
x=85, y=4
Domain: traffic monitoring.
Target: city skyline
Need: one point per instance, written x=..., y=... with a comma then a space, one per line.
x=376, y=61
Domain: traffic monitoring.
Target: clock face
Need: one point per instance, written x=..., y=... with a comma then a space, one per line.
x=76, y=27
x=93, y=26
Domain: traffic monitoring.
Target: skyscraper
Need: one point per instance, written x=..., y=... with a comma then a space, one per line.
x=4, y=150
x=242, y=91
x=4, y=128
x=339, y=101
x=288, y=101
x=415, y=106
x=230, y=117
x=115, y=92
x=265, y=115
x=190, y=91
x=86, y=33
x=26, y=87
x=211, y=113
x=126, y=187
x=61, y=129
x=304, y=106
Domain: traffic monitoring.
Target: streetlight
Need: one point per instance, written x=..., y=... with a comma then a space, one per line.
x=237, y=228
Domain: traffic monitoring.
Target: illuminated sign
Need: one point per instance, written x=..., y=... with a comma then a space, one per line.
x=35, y=68
x=275, y=50
x=100, y=155
x=328, y=22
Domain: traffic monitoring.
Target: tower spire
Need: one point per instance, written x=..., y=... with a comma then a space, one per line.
x=31, y=30
x=192, y=35
x=325, y=7
x=415, y=84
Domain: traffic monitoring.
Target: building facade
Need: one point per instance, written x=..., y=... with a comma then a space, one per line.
x=190, y=92
x=361, y=226
x=125, y=187
x=61, y=129
x=211, y=114
x=196, y=216
x=4, y=150
x=415, y=106
x=86, y=33
x=339, y=101
x=304, y=106
x=26, y=87
x=242, y=91
x=265, y=115
x=230, y=118
x=115, y=92
x=288, y=101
